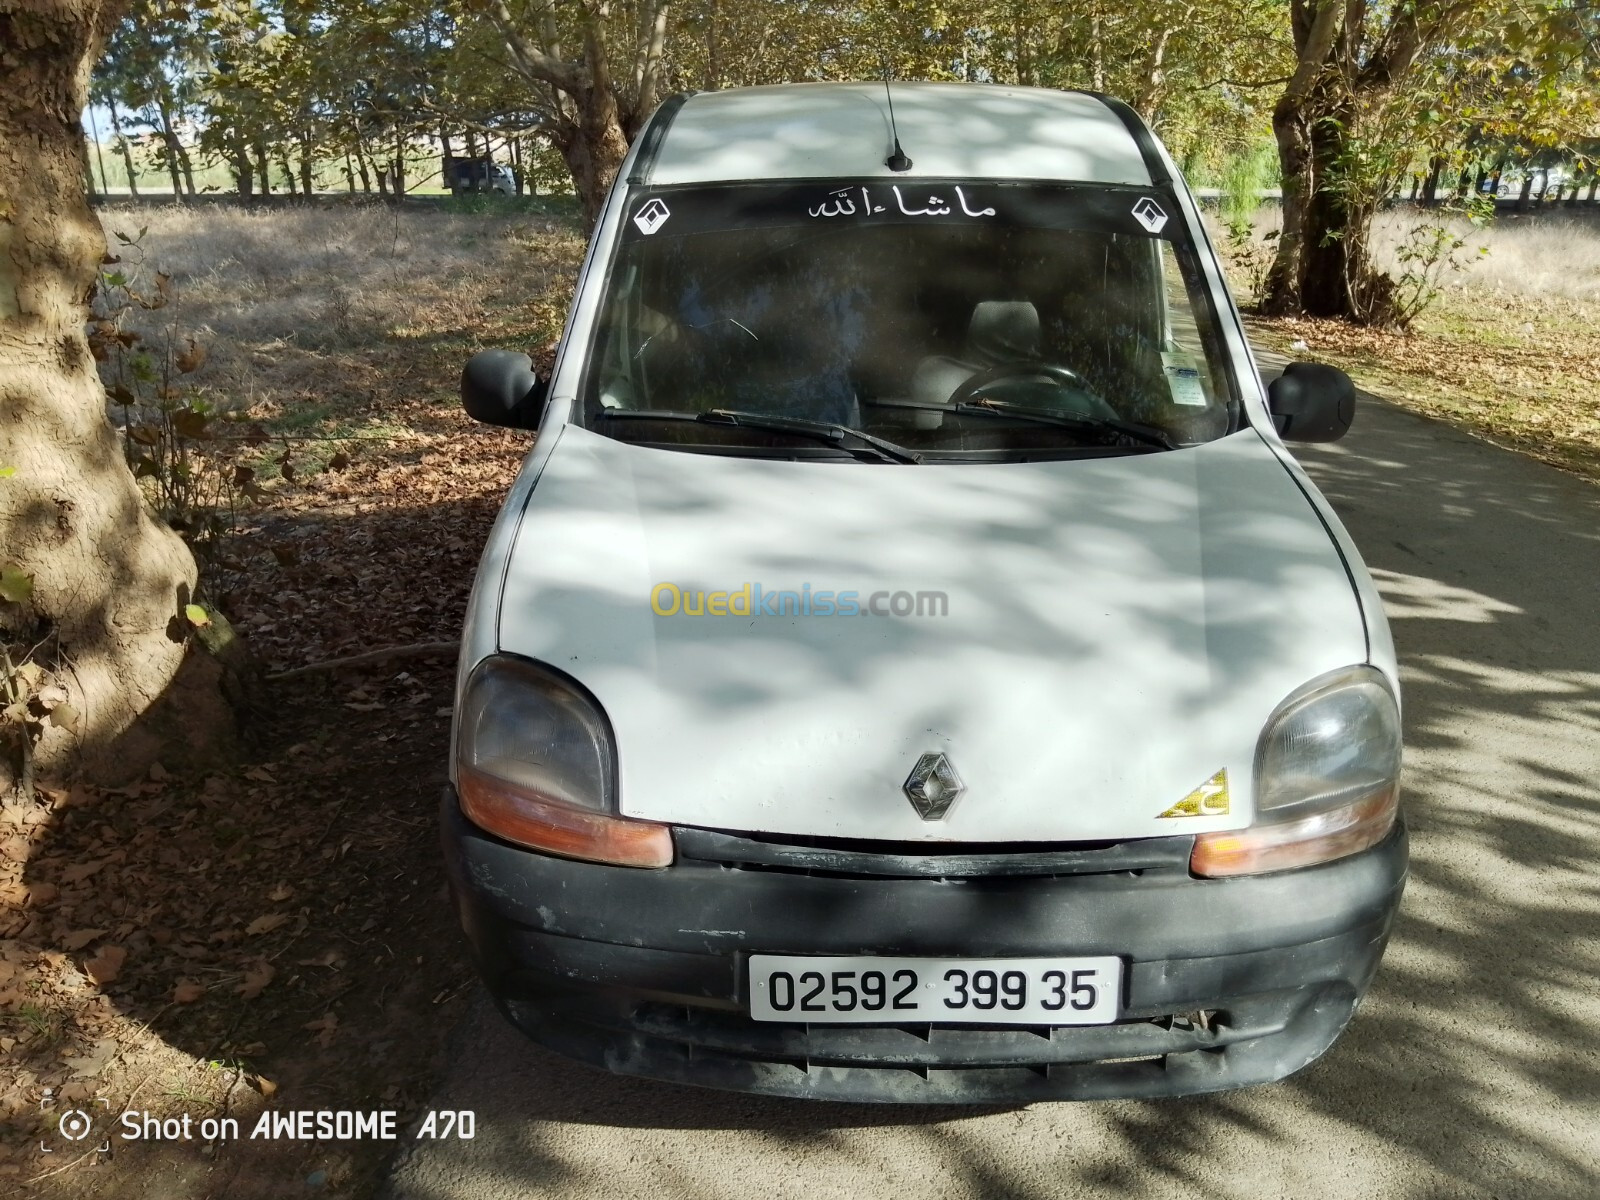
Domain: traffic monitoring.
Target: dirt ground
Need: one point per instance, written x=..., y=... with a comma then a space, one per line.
x=276, y=937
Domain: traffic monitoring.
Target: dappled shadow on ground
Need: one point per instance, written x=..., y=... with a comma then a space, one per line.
x=1472, y=1068
x=280, y=925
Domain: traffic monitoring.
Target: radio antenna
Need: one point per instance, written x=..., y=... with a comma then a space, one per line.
x=898, y=160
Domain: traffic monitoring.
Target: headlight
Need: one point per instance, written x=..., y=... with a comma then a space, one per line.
x=535, y=765
x=1327, y=779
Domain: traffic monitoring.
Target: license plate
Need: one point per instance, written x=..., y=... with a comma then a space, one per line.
x=970, y=991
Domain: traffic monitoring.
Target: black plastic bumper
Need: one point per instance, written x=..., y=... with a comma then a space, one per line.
x=1229, y=982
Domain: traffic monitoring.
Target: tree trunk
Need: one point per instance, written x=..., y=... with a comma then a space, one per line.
x=263, y=173
x=122, y=144
x=175, y=146
x=244, y=173
x=399, y=166
x=1430, y=189
x=101, y=159
x=108, y=582
x=169, y=142
x=1527, y=190
x=1594, y=185
x=593, y=148
x=308, y=178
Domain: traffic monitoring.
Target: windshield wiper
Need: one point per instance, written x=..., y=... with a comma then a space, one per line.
x=1147, y=434
x=821, y=431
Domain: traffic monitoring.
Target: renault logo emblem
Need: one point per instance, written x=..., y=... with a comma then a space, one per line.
x=933, y=786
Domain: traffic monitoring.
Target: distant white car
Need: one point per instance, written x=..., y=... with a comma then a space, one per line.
x=909, y=665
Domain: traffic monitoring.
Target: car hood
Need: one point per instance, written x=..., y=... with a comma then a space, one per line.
x=1117, y=632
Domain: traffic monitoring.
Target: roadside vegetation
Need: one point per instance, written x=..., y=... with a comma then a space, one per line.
x=1507, y=346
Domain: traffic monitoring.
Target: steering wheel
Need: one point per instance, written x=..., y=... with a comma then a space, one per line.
x=976, y=385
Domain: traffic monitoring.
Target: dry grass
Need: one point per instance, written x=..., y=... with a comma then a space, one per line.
x=1543, y=255
x=1510, y=350
x=342, y=332
x=316, y=303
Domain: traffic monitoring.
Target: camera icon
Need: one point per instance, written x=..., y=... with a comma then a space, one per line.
x=73, y=1124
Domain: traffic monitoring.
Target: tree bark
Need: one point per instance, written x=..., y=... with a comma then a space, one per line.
x=109, y=582
x=244, y=172
x=399, y=167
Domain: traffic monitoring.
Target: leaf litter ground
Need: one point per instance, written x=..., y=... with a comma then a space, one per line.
x=278, y=935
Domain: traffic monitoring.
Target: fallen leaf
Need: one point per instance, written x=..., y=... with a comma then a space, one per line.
x=264, y=1085
x=105, y=965
x=256, y=979
x=187, y=992
x=324, y=1028
x=81, y=938
x=260, y=775
x=78, y=872
x=91, y=1064
x=282, y=892
x=265, y=924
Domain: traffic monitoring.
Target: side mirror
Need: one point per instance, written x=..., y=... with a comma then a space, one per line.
x=1311, y=402
x=500, y=387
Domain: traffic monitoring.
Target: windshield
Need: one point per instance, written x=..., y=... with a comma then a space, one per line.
x=957, y=321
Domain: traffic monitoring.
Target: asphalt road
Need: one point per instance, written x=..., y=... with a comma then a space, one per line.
x=1472, y=1070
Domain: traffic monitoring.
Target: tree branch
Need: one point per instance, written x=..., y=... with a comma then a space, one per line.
x=531, y=62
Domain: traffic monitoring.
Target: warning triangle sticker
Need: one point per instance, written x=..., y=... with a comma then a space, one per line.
x=1210, y=799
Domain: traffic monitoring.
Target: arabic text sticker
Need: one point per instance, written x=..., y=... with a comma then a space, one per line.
x=1183, y=380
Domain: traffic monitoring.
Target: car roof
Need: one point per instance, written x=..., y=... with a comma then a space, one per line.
x=948, y=130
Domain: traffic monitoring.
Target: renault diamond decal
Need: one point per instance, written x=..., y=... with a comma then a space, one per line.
x=933, y=786
x=1210, y=799
x=1149, y=214
x=654, y=215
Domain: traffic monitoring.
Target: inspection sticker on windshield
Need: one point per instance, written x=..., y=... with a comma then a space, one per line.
x=1183, y=380
x=1210, y=799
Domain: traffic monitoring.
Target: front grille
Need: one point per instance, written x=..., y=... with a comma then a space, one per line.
x=857, y=858
x=924, y=1047
x=930, y=1064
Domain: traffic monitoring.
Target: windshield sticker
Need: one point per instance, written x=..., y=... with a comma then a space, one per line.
x=844, y=206
x=1210, y=799
x=1183, y=380
x=1149, y=214
x=652, y=216
x=842, y=203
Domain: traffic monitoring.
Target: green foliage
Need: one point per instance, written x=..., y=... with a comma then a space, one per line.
x=1432, y=248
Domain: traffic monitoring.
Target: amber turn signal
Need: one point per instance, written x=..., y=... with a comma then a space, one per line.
x=1303, y=842
x=555, y=827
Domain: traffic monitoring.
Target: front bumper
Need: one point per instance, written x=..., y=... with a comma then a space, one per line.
x=1229, y=982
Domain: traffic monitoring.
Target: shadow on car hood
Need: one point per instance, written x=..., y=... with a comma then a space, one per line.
x=1115, y=632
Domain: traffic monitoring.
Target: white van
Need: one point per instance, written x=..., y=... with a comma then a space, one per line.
x=909, y=666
